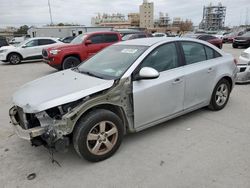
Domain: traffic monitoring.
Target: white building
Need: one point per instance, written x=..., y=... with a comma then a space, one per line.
x=63, y=31
x=147, y=14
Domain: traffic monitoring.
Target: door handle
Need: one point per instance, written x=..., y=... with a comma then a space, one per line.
x=177, y=80
x=210, y=69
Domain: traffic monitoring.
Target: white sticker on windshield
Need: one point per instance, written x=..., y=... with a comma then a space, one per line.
x=129, y=51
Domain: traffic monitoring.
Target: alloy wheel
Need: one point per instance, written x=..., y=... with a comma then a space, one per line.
x=221, y=94
x=102, y=138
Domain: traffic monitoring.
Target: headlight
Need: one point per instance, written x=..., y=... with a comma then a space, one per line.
x=54, y=52
x=245, y=55
x=2, y=51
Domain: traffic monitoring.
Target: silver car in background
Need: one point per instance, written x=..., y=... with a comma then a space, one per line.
x=243, y=76
x=125, y=88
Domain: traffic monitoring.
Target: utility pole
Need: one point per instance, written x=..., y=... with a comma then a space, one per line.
x=51, y=22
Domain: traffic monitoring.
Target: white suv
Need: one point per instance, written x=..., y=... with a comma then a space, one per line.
x=29, y=49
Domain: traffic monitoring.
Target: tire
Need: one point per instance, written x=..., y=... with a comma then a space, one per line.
x=94, y=144
x=14, y=58
x=70, y=62
x=220, y=95
x=235, y=45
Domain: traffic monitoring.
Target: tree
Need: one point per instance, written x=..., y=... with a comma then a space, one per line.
x=186, y=25
x=22, y=30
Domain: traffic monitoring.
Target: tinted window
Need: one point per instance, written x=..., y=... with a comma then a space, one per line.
x=110, y=38
x=163, y=58
x=141, y=36
x=96, y=39
x=32, y=43
x=193, y=52
x=204, y=37
x=45, y=42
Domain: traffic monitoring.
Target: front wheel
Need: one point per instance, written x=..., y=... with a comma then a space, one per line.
x=70, y=62
x=98, y=135
x=14, y=58
x=220, y=95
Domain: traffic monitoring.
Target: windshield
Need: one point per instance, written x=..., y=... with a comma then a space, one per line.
x=247, y=34
x=112, y=62
x=79, y=39
x=22, y=43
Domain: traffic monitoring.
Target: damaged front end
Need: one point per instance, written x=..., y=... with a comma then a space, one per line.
x=47, y=128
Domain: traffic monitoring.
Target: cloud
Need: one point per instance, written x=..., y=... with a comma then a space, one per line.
x=30, y=12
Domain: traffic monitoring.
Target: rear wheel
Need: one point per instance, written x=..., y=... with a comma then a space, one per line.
x=98, y=135
x=220, y=95
x=14, y=58
x=70, y=62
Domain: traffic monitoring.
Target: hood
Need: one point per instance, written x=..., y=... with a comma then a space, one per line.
x=63, y=46
x=7, y=47
x=57, y=89
x=242, y=38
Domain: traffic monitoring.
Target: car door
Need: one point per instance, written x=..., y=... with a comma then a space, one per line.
x=30, y=49
x=109, y=39
x=158, y=98
x=96, y=44
x=200, y=71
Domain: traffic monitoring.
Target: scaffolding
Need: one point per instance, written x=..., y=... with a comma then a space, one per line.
x=213, y=17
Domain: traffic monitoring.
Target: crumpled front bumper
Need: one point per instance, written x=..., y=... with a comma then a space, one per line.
x=243, y=75
x=26, y=134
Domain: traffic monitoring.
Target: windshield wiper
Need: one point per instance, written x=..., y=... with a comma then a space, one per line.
x=90, y=74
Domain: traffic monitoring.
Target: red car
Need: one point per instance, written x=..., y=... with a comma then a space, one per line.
x=209, y=38
x=81, y=48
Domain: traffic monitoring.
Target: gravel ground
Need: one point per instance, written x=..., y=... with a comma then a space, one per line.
x=200, y=149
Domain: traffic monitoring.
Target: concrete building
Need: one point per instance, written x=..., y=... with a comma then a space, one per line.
x=163, y=21
x=63, y=31
x=213, y=17
x=147, y=14
x=102, y=19
x=176, y=22
x=134, y=19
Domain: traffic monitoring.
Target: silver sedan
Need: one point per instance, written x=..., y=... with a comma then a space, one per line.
x=125, y=88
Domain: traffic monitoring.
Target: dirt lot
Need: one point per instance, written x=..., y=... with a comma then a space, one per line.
x=200, y=149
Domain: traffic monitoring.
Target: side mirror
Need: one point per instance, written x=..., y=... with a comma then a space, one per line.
x=147, y=73
x=87, y=42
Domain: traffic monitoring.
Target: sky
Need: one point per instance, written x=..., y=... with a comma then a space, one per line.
x=36, y=12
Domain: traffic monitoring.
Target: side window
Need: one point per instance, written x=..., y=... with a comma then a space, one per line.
x=110, y=38
x=162, y=58
x=204, y=37
x=45, y=42
x=211, y=54
x=141, y=36
x=32, y=43
x=96, y=39
x=193, y=52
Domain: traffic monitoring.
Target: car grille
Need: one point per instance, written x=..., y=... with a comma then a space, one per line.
x=45, y=53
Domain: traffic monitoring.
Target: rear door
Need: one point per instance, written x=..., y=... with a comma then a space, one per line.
x=158, y=98
x=200, y=72
x=110, y=38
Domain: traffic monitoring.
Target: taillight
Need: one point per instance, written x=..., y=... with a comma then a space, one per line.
x=235, y=61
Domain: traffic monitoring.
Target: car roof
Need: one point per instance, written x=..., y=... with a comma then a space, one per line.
x=42, y=38
x=100, y=32
x=154, y=40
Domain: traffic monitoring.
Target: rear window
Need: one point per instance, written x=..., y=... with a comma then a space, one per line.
x=110, y=38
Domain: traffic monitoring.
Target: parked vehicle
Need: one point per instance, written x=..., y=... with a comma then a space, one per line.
x=243, y=40
x=136, y=36
x=243, y=75
x=160, y=35
x=80, y=49
x=221, y=34
x=124, y=32
x=125, y=88
x=67, y=39
x=16, y=40
x=3, y=42
x=230, y=37
x=30, y=49
x=209, y=38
